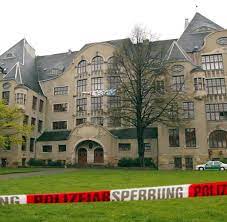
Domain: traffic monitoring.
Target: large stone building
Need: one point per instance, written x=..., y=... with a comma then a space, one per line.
x=58, y=94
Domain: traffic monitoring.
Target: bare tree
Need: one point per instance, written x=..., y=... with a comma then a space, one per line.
x=144, y=93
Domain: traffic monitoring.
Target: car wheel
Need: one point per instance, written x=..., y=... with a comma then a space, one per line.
x=222, y=169
x=201, y=168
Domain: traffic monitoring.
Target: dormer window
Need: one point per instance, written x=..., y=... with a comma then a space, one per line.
x=9, y=55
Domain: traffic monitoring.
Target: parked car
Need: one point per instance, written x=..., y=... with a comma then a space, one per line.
x=212, y=165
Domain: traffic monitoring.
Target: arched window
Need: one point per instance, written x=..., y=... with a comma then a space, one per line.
x=81, y=68
x=111, y=63
x=218, y=139
x=97, y=63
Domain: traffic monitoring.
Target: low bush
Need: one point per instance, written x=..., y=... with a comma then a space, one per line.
x=129, y=162
x=42, y=163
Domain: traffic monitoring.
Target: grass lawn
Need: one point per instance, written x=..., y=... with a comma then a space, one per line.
x=17, y=170
x=206, y=209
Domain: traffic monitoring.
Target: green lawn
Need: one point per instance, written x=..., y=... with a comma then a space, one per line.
x=16, y=170
x=205, y=209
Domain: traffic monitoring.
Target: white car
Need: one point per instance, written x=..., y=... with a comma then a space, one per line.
x=212, y=165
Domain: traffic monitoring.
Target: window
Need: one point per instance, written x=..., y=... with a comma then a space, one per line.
x=124, y=146
x=173, y=110
x=212, y=62
x=60, y=125
x=20, y=98
x=218, y=139
x=81, y=68
x=61, y=148
x=80, y=121
x=25, y=120
x=5, y=97
x=178, y=83
x=160, y=87
x=81, y=105
x=178, y=162
x=47, y=148
x=97, y=120
x=96, y=84
x=199, y=83
x=174, y=137
x=190, y=137
x=114, y=82
x=33, y=120
x=61, y=90
x=216, y=86
x=34, y=102
x=40, y=126
x=32, y=144
x=111, y=63
x=113, y=101
x=81, y=85
x=216, y=111
x=147, y=146
x=114, y=122
x=61, y=107
x=189, y=163
x=41, y=105
x=7, y=144
x=188, y=110
x=24, y=143
x=96, y=63
x=96, y=103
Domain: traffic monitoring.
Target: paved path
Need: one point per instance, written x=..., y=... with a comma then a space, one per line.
x=42, y=172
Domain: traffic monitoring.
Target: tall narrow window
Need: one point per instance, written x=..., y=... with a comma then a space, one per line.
x=20, y=98
x=24, y=143
x=190, y=137
x=41, y=105
x=5, y=97
x=114, y=82
x=188, y=110
x=174, y=137
x=82, y=66
x=25, y=120
x=33, y=120
x=81, y=85
x=199, y=83
x=40, y=126
x=178, y=162
x=96, y=63
x=34, y=102
x=32, y=144
x=81, y=105
x=96, y=83
x=178, y=83
x=96, y=103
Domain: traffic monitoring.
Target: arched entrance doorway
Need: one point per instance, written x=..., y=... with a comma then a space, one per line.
x=82, y=156
x=98, y=155
x=89, y=152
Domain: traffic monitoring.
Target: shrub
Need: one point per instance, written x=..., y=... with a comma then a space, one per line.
x=129, y=162
x=36, y=162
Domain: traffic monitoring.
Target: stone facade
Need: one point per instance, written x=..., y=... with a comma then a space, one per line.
x=72, y=124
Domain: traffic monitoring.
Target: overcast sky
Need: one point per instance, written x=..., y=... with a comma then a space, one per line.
x=53, y=26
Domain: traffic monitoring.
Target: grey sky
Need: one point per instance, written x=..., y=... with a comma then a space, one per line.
x=53, y=26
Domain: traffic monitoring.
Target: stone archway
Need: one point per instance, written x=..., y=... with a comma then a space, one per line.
x=99, y=155
x=218, y=139
x=89, y=152
x=82, y=156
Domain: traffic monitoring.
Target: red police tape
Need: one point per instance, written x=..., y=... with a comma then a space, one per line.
x=147, y=193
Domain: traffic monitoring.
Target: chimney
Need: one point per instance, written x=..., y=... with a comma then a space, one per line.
x=186, y=22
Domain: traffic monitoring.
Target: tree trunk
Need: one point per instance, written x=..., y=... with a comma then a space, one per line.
x=140, y=142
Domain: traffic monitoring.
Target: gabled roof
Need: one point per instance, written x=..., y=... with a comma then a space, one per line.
x=193, y=36
x=131, y=133
x=54, y=136
x=19, y=63
x=176, y=53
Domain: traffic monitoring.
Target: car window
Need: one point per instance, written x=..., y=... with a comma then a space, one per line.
x=209, y=163
x=217, y=162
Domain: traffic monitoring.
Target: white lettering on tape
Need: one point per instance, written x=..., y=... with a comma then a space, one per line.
x=150, y=193
x=13, y=199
